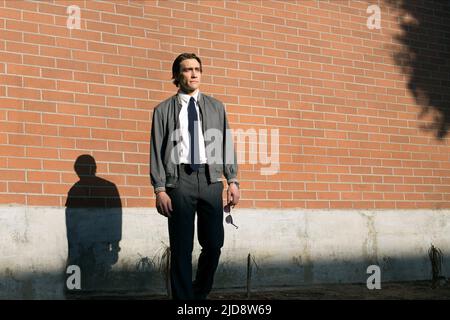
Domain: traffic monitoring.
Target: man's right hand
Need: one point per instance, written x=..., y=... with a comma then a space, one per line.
x=164, y=204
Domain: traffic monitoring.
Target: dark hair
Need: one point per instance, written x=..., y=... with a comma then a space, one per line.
x=177, y=62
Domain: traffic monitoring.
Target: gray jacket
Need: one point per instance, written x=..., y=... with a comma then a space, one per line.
x=164, y=160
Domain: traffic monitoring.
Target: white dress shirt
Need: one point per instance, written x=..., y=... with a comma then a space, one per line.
x=184, y=154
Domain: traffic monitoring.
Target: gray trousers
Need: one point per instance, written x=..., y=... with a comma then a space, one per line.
x=194, y=194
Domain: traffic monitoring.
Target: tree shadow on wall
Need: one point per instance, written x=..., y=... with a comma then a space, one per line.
x=425, y=58
x=94, y=225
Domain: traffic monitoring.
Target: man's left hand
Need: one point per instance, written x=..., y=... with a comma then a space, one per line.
x=233, y=194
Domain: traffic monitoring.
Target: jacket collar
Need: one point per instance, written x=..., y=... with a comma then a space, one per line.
x=201, y=102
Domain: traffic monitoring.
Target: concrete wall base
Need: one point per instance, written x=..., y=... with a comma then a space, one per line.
x=289, y=247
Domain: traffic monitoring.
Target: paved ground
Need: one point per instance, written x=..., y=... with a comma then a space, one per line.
x=416, y=290
x=397, y=291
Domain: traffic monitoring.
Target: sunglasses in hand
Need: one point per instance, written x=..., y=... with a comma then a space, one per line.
x=229, y=218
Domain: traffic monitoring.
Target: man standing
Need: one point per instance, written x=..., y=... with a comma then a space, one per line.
x=186, y=168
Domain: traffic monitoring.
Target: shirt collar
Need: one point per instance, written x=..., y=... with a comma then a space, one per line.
x=185, y=97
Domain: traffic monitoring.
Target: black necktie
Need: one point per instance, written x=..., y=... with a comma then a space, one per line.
x=194, y=135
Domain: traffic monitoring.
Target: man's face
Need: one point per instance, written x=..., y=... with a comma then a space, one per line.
x=190, y=75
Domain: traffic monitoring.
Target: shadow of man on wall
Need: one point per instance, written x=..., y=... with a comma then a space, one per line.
x=94, y=226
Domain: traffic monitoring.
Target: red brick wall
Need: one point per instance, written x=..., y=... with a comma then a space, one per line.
x=350, y=129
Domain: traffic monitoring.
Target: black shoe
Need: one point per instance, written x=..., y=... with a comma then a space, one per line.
x=198, y=296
